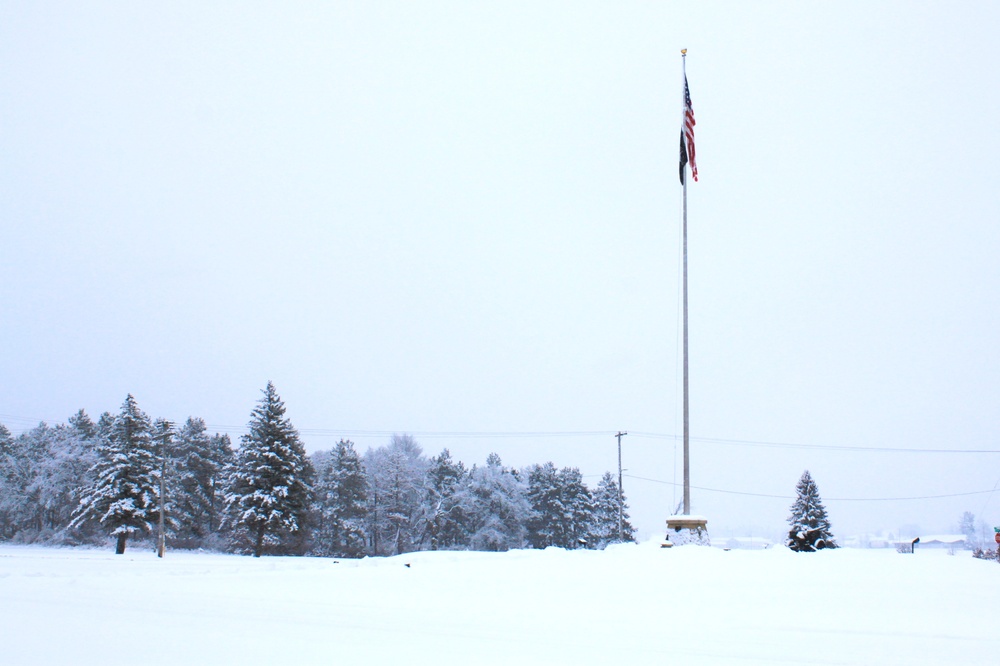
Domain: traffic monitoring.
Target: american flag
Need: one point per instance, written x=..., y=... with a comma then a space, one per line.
x=687, y=135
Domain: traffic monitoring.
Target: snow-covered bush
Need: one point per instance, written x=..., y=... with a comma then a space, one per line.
x=986, y=554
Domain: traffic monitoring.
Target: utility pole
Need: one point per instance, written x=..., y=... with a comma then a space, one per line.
x=166, y=430
x=621, y=499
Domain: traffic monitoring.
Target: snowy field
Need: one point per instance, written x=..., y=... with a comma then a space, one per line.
x=627, y=605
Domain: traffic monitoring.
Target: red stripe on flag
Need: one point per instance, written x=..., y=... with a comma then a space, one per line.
x=689, y=124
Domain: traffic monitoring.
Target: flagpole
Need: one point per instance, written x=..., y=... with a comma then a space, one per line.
x=684, y=528
x=687, y=433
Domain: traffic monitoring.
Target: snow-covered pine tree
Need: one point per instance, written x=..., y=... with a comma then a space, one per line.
x=31, y=449
x=20, y=459
x=42, y=472
x=84, y=426
x=605, y=528
x=222, y=454
x=105, y=422
x=579, y=503
x=810, y=527
x=6, y=439
x=270, y=483
x=199, y=462
x=7, y=463
x=445, y=515
x=60, y=477
x=544, y=523
x=561, y=504
x=341, y=496
x=499, y=507
x=123, y=497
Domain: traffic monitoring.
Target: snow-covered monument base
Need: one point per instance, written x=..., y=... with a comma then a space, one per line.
x=685, y=530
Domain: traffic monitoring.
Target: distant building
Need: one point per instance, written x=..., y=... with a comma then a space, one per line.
x=951, y=542
x=942, y=541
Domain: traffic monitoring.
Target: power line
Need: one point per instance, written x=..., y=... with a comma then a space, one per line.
x=433, y=434
x=824, y=447
x=32, y=421
x=537, y=434
x=428, y=434
x=828, y=499
x=322, y=432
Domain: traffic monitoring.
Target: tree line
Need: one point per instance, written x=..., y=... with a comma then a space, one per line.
x=84, y=482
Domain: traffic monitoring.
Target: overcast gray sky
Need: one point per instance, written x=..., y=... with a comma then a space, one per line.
x=453, y=217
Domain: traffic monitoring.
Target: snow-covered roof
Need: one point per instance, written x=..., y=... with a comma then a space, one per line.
x=943, y=538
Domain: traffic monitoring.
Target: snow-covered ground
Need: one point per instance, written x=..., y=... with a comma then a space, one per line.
x=625, y=605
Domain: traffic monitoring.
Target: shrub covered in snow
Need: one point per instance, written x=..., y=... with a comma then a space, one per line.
x=986, y=554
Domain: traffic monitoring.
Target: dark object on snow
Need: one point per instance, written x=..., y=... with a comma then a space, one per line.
x=407, y=565
x=986, y=554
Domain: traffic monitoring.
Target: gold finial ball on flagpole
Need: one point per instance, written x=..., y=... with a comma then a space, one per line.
x=684, y=52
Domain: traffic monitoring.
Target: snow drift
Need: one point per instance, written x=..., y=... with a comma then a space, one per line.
x=627, y=604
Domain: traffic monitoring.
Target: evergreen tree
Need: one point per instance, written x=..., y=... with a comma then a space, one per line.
x=6, y=440
x=341, y=495
x=270, y=484
x=123, y=497
x=7, y=483
x=199, y=462
x=446, y=516
x=20, y=459
x=543, y=526
x=499, y=508
x=61, y=475
x=578, y=518
x=84, y=426
x=562, y=507
x=42, y=473
x=810, y=527
x=105, y=423
x=605, y=527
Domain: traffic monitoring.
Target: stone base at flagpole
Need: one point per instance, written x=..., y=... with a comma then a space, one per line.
x=687, y=530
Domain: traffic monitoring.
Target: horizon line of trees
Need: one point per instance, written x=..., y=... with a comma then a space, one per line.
x=83, y=482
